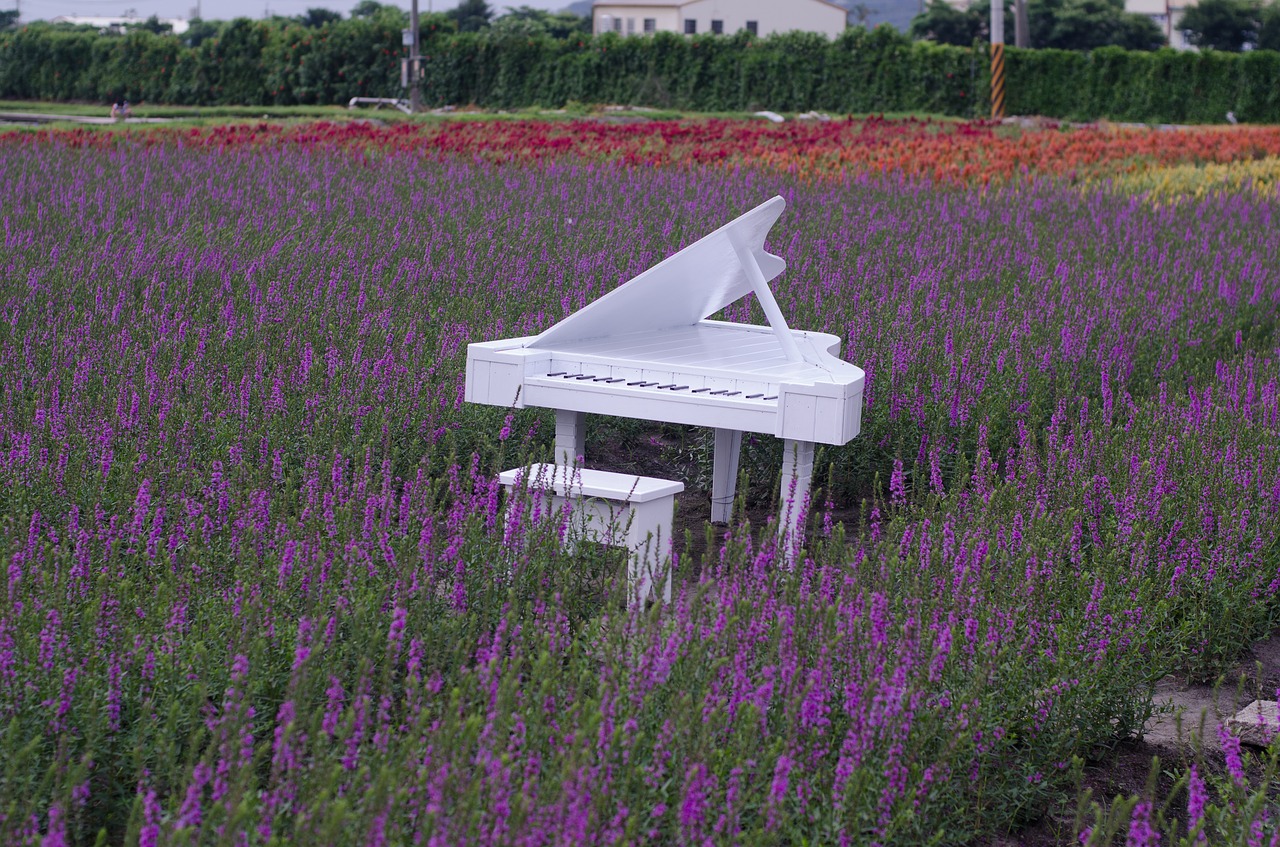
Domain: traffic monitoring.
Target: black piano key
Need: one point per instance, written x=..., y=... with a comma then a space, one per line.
x=720, y=392
x=679, y=387
x=612, y=380
x=672, y=385
x=586, y=376
x=774, y=397
x=700, y=390
x=754, y=396
x=733, y=394
x=603, y=379
x=568, y=375
x=638, y=382
x=558, y=373
x=647, y=384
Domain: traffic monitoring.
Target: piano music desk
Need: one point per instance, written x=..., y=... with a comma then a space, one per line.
x=621, y=510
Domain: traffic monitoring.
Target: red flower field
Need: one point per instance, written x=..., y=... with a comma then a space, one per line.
x=952, y=152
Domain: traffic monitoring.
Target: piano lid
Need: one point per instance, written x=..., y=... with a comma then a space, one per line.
x=682, y=289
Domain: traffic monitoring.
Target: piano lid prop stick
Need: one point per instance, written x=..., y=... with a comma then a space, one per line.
x=765, y=296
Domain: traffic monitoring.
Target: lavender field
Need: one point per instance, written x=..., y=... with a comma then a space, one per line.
x=258, y=588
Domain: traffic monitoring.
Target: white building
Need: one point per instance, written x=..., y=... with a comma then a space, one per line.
x=692, y=17
x=118, y=24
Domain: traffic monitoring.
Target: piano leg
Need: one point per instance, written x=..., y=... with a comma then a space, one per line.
x=724, y=474
x=571, y=437
x=797, y=471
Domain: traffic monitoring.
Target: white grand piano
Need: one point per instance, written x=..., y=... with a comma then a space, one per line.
x=648, y=350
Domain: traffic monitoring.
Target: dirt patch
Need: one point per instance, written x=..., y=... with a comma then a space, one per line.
x=669, y=452
x=1124, y=771
x=1185, y=708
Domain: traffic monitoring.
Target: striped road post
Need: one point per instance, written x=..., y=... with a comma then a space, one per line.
x=997, y=60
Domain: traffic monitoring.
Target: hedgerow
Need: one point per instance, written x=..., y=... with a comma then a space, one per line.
x=281, y=62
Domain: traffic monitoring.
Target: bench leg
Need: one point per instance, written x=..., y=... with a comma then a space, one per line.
x=797, y=471
x=724, y=475
x=648, y=537
x=571, y=437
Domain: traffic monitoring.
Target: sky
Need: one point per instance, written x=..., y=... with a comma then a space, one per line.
x=227, y=9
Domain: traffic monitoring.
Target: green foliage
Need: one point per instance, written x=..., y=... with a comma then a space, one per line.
x=8, y=19
x=367, y=9
x=1269, y=28
x=199, y=31
x=1223, y=24
x=531, y=21
x=1210, y=802
x=153, y=25
x=472, y=15
x=944, y=23
x=318, y=17
x=1089, y=24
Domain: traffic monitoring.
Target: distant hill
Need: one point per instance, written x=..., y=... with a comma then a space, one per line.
x=869, y=13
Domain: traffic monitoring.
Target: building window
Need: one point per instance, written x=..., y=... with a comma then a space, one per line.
x=617, y=25
x=717, y=27
x=650, y=26
x=753, y=27
x=690, y=26
x=631, y=26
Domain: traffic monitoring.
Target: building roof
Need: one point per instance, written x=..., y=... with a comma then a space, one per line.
x=673, y=4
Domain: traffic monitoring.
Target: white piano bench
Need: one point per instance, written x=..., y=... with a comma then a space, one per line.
x=613, y=508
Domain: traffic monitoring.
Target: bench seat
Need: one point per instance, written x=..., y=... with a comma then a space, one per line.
x=618, y=509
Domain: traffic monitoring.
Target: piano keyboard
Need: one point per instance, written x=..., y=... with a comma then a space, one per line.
x=640, y=383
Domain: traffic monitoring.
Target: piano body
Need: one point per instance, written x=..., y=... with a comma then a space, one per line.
x=648, y=350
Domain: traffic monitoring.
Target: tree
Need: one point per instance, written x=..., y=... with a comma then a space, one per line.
x=532, y=21
x=152, y=24
x=1229, y=25
x=945, y=24
x=316, y=18
x=1269, y=31
x=366, y=9
x=8, y=19
x=1059, y=24
x=1087, y=24
x=472, y=15
x=199, y=31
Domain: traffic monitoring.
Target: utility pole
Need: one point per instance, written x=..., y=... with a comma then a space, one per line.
x=997, y=59
x=1021, y=26
x=415, y=60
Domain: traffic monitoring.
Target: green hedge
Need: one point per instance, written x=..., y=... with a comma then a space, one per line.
x=1165, y=86
x=283, y=63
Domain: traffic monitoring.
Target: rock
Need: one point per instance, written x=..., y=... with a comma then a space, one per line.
x=1256, y=724
x=770, y=116
x=814, y=116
